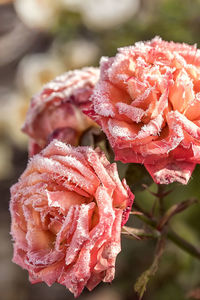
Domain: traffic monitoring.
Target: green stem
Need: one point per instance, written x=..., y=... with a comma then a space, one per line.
x=160, y=195
x=139, y=234
x=174, y=237
x=183, y=244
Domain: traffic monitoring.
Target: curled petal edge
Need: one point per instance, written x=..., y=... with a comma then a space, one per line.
x=168, y=171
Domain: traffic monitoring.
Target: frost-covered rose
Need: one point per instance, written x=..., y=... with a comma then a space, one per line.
x=67, y=211
x=55, y=111
x=148, y=103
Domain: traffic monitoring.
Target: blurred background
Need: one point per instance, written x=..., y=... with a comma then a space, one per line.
x=40, y=39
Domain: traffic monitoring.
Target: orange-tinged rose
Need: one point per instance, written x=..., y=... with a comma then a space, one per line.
x=67, y=210
x=147, y=101
x=55, y=111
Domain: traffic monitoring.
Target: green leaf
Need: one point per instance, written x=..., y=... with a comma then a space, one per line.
x=137, y=176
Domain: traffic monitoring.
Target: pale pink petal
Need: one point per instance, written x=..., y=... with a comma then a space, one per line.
x=55, y=112
x=81, y=234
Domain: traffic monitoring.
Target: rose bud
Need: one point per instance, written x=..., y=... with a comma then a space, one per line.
x=55, y=111
x=147, y=101
x=67, y=210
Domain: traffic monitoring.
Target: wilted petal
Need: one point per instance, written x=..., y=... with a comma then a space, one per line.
x=55, y=112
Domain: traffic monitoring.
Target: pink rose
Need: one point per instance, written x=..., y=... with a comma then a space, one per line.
x=67, y=211
x=148, y=103
x=55, y=111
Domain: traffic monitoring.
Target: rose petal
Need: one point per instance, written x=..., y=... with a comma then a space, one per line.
x=168, y=171
x=67, y=210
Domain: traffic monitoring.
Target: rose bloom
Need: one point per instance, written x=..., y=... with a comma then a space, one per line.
x=148, y=103
x=55, y=111
x=67, y=211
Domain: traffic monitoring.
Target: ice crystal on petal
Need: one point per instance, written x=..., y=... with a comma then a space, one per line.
x=67, y=211
x=153, y=90
x=55, y=112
